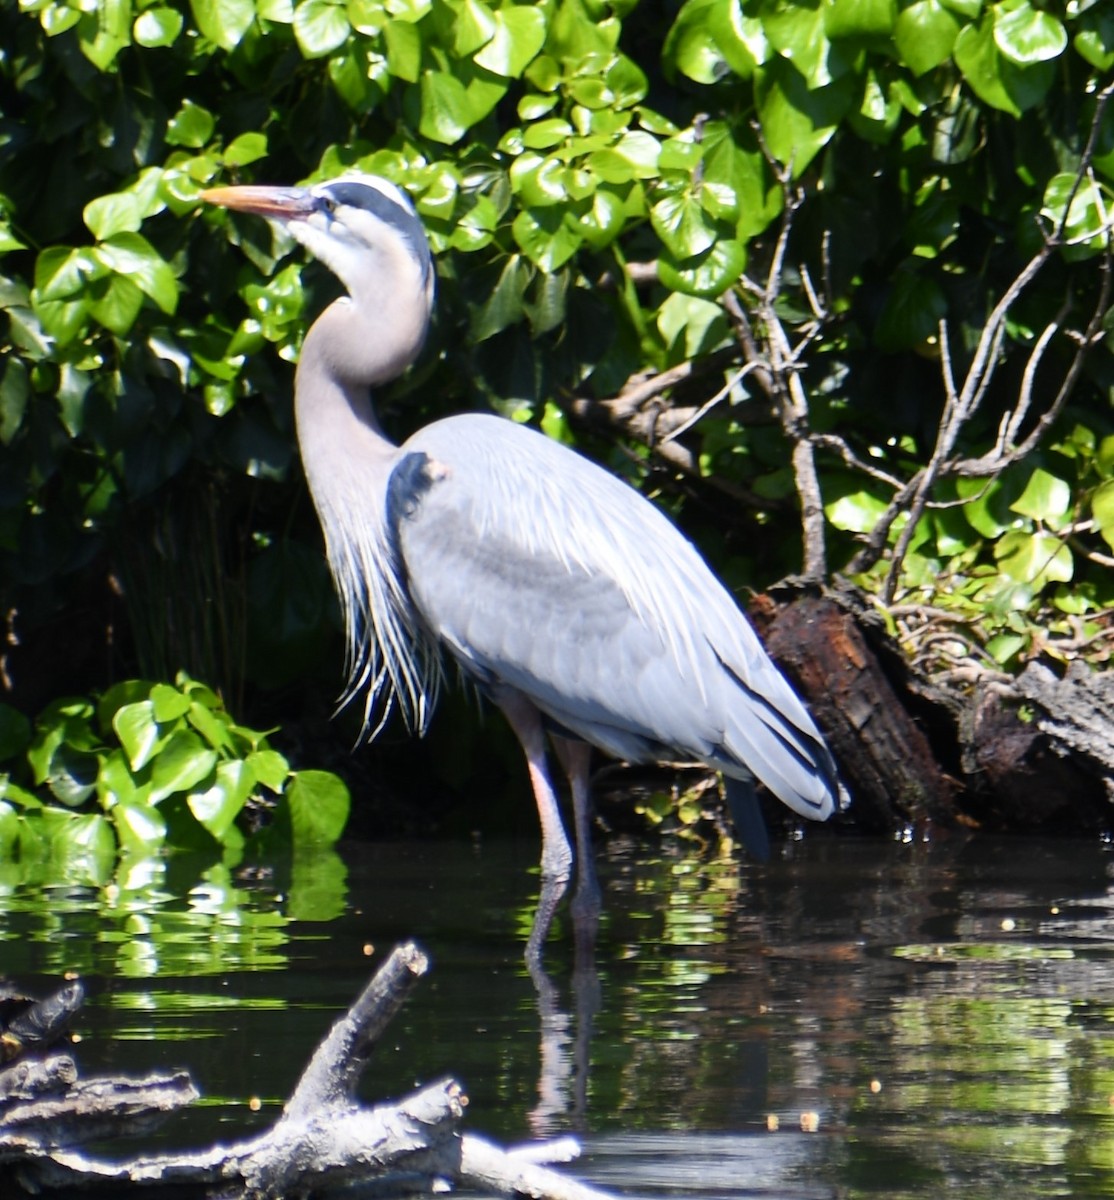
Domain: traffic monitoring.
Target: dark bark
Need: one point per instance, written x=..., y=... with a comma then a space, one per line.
x=1032, y=752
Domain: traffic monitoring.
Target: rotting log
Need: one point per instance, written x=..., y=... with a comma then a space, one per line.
x=1017, y=753
x=325, y=1141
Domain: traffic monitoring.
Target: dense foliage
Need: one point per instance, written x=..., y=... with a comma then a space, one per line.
x=839, y=267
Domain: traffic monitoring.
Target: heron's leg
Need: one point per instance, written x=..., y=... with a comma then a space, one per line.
x=526, y=722
x=576, y=758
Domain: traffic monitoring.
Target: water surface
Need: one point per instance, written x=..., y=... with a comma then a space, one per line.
x=853, y=1018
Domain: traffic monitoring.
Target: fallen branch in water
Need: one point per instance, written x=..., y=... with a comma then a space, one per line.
x=325, y=1139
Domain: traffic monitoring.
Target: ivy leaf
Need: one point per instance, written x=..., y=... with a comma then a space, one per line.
x=218, y=806
x=140, y=828
x=319, y=804
x=545, y=237
x=1046, y=498
x=130, y=254
x=116, y=303
x=798, y=121
x=859, y=18
x=691, y=46
x=191, y=126
x=925, y=34
x=1035, y=559
x=181, y=763
x=320, y=27
x=223, y=22
x=138, y=731
x=504, y=306
x=1102, y=509
x=708, y=274
x=157, y=26
x=404, y=50
x=1026, y=36
x=518, y=38
x=681, y=223
x=444, y=108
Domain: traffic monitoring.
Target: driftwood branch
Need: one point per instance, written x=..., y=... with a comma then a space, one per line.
x=325, y=1140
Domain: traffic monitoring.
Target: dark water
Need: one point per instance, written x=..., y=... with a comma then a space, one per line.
x=854, y=1018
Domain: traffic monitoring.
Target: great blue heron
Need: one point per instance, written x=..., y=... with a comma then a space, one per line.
x=562, y=593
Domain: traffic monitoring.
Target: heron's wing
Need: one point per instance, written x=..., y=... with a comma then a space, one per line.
x=540, y=570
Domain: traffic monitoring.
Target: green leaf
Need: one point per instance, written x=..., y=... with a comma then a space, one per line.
x=246, y=149
x=925, y=34
x=859, y=18
x=104, y=33
x=741, y=39
x=504, y=306
x=218, y=806
x=1046, y=498
x=855, y=512
x=130, y=254
x=168, y=703
x=1035, y=559
x=404, y=50
x=798, y=121
x=995, y=79
x=320, y=27
x=223, y=22
x=1102, y=509
x=1081, y=207
x=15, y=391
x=319, y=804
x=545, y=237
x=138, y=731
x=517, y=39
x=708, y=274
x=191, y=126
x=86, y=844
x=473, y=26
x=445, y=108
x=691, y=46
x=1026, y=36
x=157, y=26
x=115, y=303
x=140, y=828
x=681, y=223
x=118, y=213
x=182, y=763
x=1094, y=37
x=269, y=768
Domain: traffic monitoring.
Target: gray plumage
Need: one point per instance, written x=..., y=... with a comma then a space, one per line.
x=563, y=593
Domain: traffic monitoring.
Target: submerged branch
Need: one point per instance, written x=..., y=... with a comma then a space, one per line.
x=324, y=1142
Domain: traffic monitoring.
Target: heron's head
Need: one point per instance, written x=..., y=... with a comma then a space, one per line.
x=362, y=227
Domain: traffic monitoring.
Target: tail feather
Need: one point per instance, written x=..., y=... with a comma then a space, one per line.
x=746, y=815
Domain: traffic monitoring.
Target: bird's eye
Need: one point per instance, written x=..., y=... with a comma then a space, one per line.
x=327, y=204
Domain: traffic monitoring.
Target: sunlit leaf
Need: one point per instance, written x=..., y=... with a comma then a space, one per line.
x=319, y=803
x=518, y=36
x=1027, y=35
x=181, y=763
x=1046, y=498
x=218, y=806
x=320, y=26
x=1035, y=559
x=223, y=22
